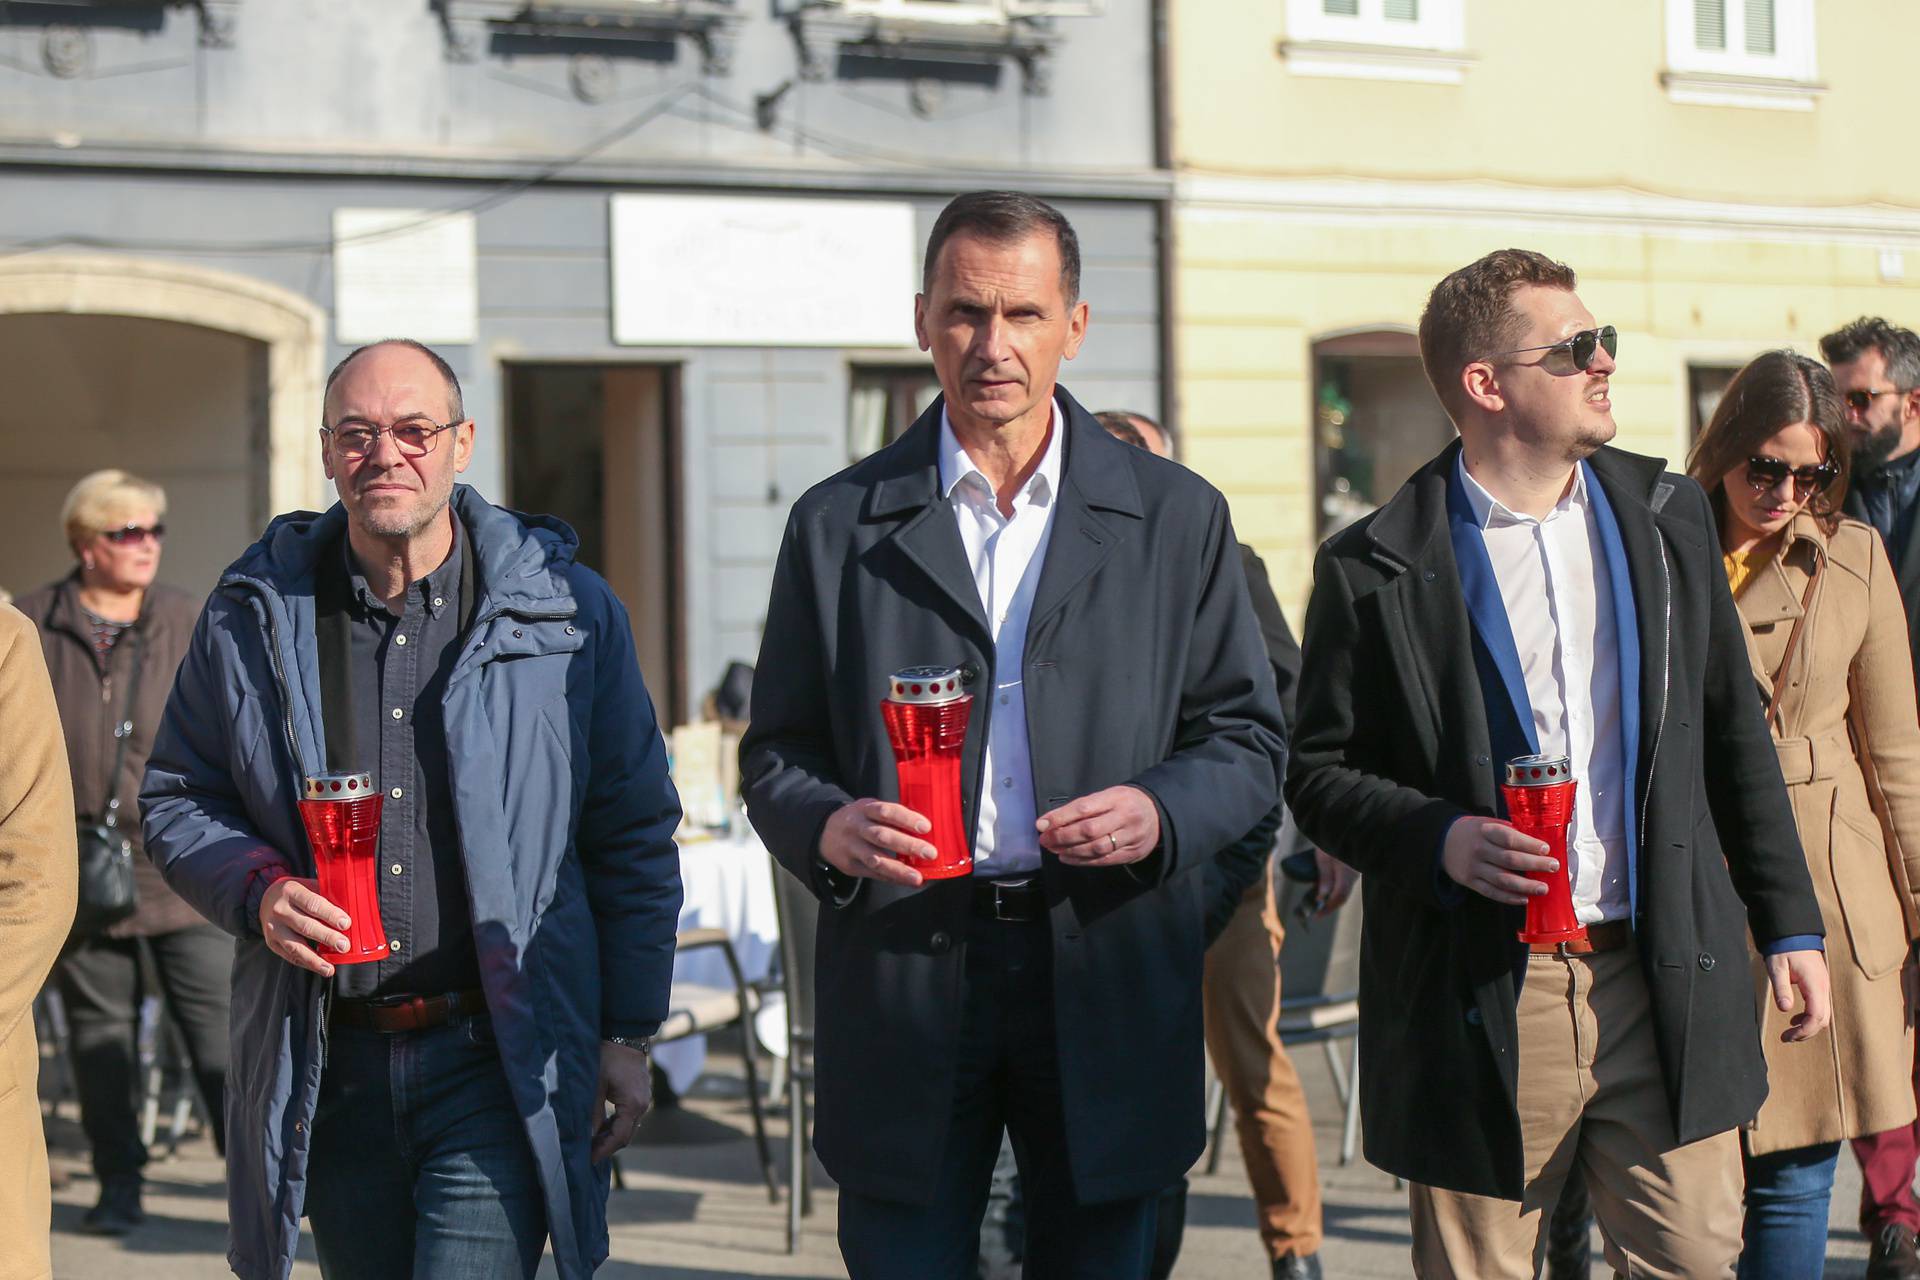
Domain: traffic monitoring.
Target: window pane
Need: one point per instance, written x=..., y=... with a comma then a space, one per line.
x=1760, y=26
x=1403, y=10
x=1709, y=24
x=1340, y=8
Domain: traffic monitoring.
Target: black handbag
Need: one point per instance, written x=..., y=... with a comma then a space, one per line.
x=108, y=894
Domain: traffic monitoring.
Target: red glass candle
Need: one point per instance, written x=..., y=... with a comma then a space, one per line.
x=926, y=714
x=341, y=812
x=1539, y=793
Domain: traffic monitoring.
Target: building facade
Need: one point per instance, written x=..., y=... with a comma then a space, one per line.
x=1718, y=172
x=670, y=246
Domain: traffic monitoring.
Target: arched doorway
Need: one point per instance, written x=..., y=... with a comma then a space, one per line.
x=1375, y=421
x=204, y=381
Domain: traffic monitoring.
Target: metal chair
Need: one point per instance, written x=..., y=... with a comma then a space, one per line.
x=799, y=914
x=695, y=1009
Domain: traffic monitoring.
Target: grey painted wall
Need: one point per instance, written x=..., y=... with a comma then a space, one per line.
x=235, y=159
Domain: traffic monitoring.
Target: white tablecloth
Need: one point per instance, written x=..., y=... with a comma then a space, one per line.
x=728, y=883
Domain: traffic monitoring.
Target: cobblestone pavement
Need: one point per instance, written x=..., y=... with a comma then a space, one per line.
x=694, y=1209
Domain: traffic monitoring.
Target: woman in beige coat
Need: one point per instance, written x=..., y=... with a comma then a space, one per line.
x=38, y=870
x=1828, y=641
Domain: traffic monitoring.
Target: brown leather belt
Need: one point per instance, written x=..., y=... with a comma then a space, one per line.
x=1608, y=935
x=392, y=1014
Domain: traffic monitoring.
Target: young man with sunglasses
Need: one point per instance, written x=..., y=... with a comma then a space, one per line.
x=441, y=1109
x=1876, y=365
x=1533, y=591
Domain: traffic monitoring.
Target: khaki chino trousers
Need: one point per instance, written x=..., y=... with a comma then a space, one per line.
x=1241, y=999
x=1590, y=1094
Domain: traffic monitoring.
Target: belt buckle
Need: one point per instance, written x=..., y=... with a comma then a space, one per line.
x=1002, y=910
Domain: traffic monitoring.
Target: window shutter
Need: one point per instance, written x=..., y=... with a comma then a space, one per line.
x=1760, y=37
x=1403, y=10
x=1710, y=24
x=1340, y=8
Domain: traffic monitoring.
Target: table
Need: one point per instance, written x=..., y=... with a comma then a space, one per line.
x=728, y=885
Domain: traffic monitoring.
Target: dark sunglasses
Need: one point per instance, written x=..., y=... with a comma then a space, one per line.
x=1579, y=350
x=134, y=533
x=1767, y=473
x=1861, y=401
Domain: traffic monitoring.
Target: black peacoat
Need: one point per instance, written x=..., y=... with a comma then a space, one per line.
x=1143, y=664
x=1393, y=745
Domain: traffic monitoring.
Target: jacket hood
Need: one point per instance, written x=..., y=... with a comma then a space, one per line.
x=521, y=562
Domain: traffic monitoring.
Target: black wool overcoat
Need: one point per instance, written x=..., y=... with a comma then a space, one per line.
x=1143, y=665
x=1393, y=745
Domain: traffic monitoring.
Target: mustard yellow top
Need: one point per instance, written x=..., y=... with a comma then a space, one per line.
x=1742, y=565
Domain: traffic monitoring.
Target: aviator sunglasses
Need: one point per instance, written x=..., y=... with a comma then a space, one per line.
x=1572, y=354
x=1767, y=473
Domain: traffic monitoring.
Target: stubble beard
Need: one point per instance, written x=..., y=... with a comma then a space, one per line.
x=1872, y=448
x=392, y=523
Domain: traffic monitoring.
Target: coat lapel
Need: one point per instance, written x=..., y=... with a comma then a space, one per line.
x=929, y=537
x=1096, y=476
x=1626, y=615
x=1486, y=607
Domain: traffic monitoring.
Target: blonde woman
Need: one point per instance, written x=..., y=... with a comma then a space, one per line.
x=113, y=638
x=1828, y=642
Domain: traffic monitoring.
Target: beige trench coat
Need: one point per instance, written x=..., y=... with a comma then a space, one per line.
x=38, y=870
x=1849, y=748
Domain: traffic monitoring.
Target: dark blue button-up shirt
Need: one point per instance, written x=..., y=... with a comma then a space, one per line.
x=399, y=664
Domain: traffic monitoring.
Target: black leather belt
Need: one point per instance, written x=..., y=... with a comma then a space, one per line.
x=1013, y=901
x=392, y=1014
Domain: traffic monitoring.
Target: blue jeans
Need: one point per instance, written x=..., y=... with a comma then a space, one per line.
x=1786, y=1226
x=420, y=1163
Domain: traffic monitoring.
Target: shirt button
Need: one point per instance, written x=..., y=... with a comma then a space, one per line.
x=395, y=868
x=398, y=713
x=401, y=638
x=393, y=944
x=438, y=602
x=1003, y=699
x=1006, y=782
x=395, y=793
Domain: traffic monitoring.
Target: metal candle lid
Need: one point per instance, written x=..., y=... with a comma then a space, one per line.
x=340, y=786
x=926, y=686
x=1539, y=771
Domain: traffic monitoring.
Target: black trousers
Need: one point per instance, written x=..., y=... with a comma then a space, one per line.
x=1008, y=1081
x=102, y=984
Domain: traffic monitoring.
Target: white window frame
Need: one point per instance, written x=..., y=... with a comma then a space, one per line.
x=971, y=12
x=1793, y=58
x=1442, y=25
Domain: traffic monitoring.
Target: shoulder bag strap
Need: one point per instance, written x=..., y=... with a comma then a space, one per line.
x=1793, y=641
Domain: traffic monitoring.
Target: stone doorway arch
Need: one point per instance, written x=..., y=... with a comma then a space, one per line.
x=293, y=330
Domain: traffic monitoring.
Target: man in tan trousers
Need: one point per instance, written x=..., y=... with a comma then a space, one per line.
x=38, y=870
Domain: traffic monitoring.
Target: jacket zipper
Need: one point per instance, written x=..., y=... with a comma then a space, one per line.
x=293, y=753
x=1666, y=671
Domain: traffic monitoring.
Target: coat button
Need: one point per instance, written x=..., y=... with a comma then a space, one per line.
x=1481, y=761
x=516, y=633
x=969, y=673
x=299, y=1126
x=1428, y=576
x=941, y=943
x=1473, y=1017
x=1706, y=962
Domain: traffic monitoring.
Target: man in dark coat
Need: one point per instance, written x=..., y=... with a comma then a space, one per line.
x=1531, y=590
x=1876, y=365
x=1123, y=729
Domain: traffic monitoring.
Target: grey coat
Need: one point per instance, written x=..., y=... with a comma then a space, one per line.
x=566, y=817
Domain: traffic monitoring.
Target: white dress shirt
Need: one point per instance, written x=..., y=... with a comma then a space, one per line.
x=1558, y=593
x=1005, y=553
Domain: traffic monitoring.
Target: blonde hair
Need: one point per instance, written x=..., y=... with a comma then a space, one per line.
x=104, y=500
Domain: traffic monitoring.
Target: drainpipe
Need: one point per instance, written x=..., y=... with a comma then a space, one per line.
x=1162, y=88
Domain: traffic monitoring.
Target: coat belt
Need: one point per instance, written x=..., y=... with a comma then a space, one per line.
x=1813, y=759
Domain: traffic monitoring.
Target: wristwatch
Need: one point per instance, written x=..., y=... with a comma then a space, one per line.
x=643, y=1043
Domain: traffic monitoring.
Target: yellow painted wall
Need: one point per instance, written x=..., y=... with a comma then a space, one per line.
x=1253, y=292
x=1555, y=100
x=1556, y=96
